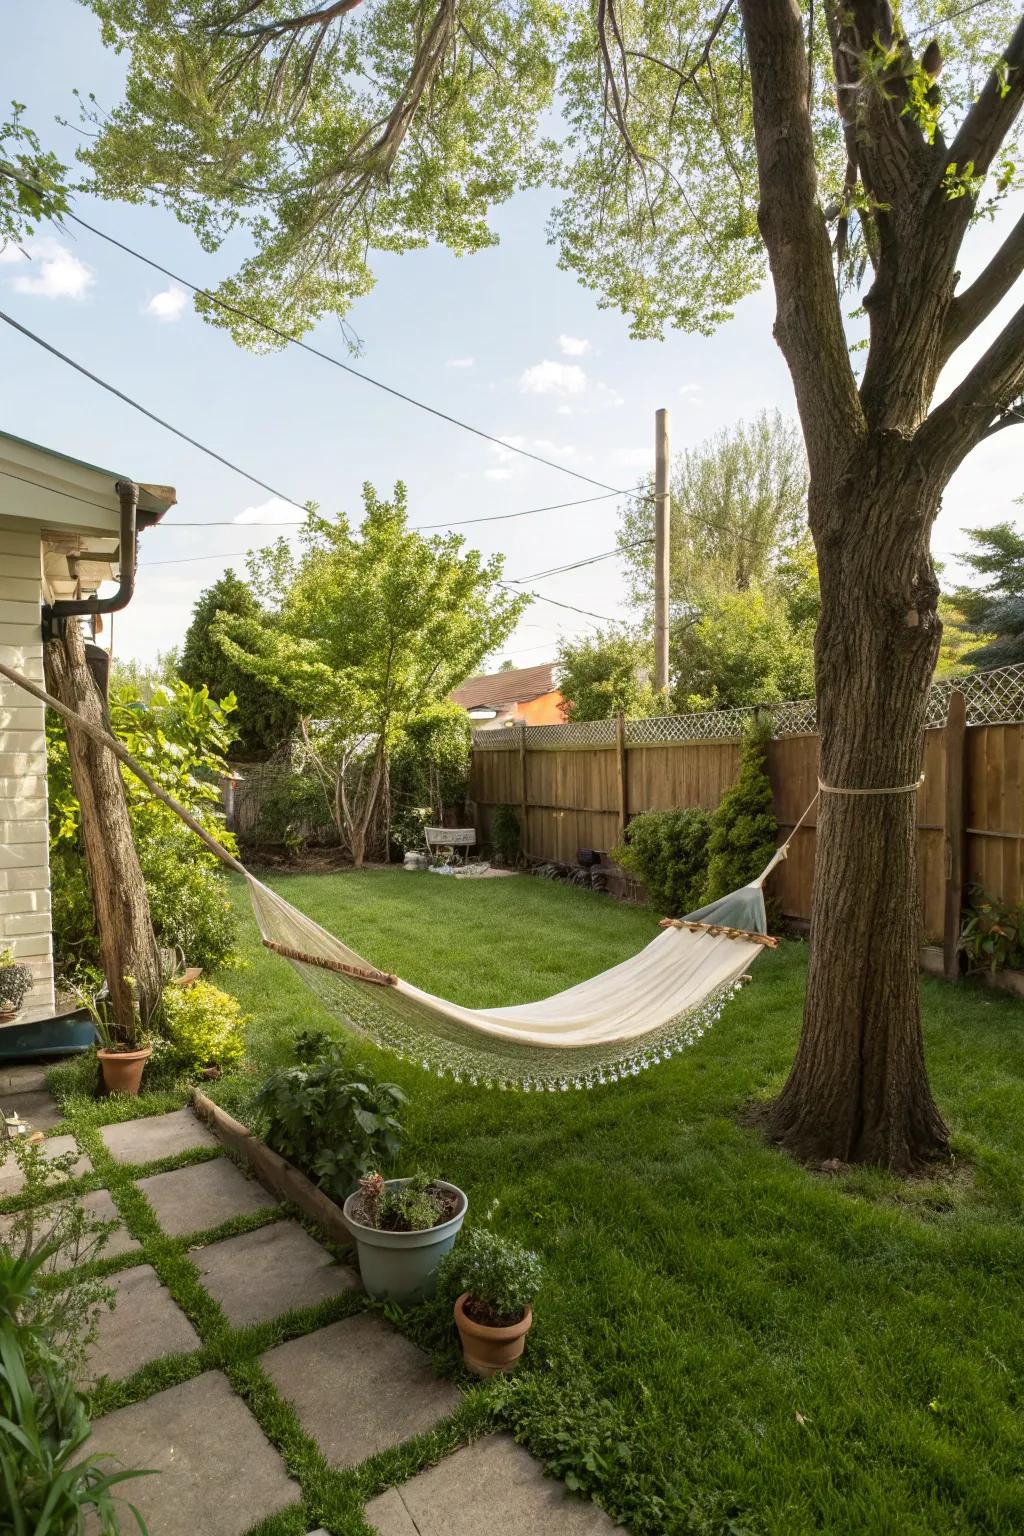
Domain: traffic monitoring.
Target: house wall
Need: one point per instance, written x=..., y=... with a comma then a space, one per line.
x=24, y=844
x=546, y=709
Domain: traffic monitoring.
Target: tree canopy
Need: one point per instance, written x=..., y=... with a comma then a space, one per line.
x=995, y=610
x=607, y=673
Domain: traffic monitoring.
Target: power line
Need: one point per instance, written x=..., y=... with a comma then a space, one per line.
x=604, y=618
x=462, y=522
x=113, y=390
x=575, y=565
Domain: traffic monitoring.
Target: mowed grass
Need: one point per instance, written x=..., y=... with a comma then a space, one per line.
x=725, y=1342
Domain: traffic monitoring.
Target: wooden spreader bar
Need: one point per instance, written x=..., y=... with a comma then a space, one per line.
x=378, y=978
x=719, y=931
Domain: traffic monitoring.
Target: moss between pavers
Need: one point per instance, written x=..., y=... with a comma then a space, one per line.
x=329, y=1498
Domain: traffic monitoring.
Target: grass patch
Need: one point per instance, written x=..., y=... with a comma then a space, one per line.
x=725, y=1343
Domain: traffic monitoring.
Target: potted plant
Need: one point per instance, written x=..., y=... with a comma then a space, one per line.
x=15, y=985
x=499, y=1280
x=122, y=1052
x=402, y=1229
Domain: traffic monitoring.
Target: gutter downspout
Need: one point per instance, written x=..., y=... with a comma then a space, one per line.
x=68, y=608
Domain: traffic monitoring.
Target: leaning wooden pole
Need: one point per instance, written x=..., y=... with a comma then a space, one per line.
x=662, y=550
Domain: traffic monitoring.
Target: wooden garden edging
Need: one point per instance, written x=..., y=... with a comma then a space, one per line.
x=277, y=1175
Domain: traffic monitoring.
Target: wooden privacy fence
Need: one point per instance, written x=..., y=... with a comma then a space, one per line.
x=577, y=785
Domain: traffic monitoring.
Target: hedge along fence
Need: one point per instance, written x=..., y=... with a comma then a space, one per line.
x=577, y=785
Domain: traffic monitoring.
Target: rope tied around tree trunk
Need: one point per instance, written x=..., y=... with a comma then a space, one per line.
x=889, y=789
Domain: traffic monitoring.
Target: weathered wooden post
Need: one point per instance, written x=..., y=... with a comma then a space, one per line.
x=956, y=822
x=620, y=753
x=523, y=802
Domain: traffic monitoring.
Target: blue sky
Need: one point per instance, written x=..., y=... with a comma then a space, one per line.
x=501, y=339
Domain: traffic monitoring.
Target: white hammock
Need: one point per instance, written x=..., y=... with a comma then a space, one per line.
x=627, y=1018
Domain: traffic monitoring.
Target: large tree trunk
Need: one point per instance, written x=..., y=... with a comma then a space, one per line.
x=858, y=1090
x=127, y=943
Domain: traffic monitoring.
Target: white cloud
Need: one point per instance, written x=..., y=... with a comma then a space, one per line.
x=168, y=304
x=49, y=270
x=693, y=394
x=574, y=346
x=273, y=511
x=461, y=362
x=548, y=378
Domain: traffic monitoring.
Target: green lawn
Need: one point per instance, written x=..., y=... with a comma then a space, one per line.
x=725, y=1343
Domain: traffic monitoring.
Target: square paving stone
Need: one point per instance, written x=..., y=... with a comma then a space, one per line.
x=217, y=1474
x=493, y=1484
x=12, y=1180
x=143, y=1141
x=259, y=1275
x=359, y=1387
x=38, y=1108
x=144, y=1324
x=194, y=1199
x=101, y=1206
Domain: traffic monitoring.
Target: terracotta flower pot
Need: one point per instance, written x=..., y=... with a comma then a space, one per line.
x=122, y=1070
x=487, y=1351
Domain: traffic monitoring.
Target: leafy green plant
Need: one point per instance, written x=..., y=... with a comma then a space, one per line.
x=15, y=982
x=992, y=935
x=331, y=1124
x=743, y=827
x=501, y=1276
x=668, y=852
x=414, y=1206
x=506, y=834
x=47, y=1490
x=203, y=1025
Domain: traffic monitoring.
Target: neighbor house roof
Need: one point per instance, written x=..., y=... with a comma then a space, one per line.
x=497, y=690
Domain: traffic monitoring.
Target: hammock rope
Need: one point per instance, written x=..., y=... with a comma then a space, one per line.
x=629, y=1017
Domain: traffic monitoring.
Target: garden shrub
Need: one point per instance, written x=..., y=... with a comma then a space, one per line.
x=744, y=831
x=506, y=836
x=667, y=851
x=428, y=773
x=992, y=935
x=203, y=1025
x=501, y=1276
x=332, y=1123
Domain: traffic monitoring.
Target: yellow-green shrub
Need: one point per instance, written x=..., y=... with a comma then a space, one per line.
x=203, y=1025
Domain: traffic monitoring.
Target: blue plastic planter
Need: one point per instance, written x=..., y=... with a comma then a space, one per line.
x=402, y=1266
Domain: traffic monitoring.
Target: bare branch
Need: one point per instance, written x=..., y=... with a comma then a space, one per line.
x=978, y=301
x=276, y=29
x=984, y=397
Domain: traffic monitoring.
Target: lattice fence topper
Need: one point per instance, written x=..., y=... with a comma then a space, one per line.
x=993, y=698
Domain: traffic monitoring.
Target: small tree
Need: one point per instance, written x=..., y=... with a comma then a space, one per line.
x=743, y=827
x=998, y=607
x=605, y=674
x=742, y=649
x=369, y=629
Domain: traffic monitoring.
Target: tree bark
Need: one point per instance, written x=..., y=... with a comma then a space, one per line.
x=127, y=943
x=858, y=1090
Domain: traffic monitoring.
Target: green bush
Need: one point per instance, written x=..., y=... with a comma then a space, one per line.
x=333, y=1125
x=203, y=1025
x=744, y=831
x=992, y=936
x=428, y=773
x=506, y=836
x=44, y=1423
x=501, y=1276
x=668, y=852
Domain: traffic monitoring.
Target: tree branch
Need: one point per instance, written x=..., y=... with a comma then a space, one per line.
x=808, y=325
x=994, y=112
x=968, y=414
x=978, y=301
x=272, y=29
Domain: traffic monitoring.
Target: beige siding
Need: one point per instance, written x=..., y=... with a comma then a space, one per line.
x=24, y=854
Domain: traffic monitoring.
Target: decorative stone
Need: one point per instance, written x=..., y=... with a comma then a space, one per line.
x=218, y=1475
x=203, y=1196
x=358, y=1388
x=144, y=1324
x=101, y=1206
x=12, y=1180
x=261, y=1274
x=493, y=1484
x=144, y=1141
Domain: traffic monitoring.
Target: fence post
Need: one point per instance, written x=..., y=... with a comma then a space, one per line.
x=523, y=804
x=620, y=753
x=956, y=840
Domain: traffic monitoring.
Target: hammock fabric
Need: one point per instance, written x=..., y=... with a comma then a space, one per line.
x=616, y=1024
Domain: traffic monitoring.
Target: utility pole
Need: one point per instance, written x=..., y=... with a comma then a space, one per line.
x=662, y=524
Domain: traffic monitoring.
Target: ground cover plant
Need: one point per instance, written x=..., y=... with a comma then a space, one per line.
x=724, y=1342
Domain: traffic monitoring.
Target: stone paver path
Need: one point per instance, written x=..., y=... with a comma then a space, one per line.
x=12, y=1180
x=143, y=1141
x=384, y=1386
x=262, y=1274
x=100, y=1206
x=218, y=1474
x=493, y=1485
x=144, y=1324
x=204, y=1195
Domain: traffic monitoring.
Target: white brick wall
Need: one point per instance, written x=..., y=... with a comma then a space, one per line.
x=24, y=847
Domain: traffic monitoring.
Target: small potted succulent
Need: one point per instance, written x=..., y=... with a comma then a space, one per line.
x=122, y=1052
x=15, y=984
x=499, y=1280
x=402, y=1229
